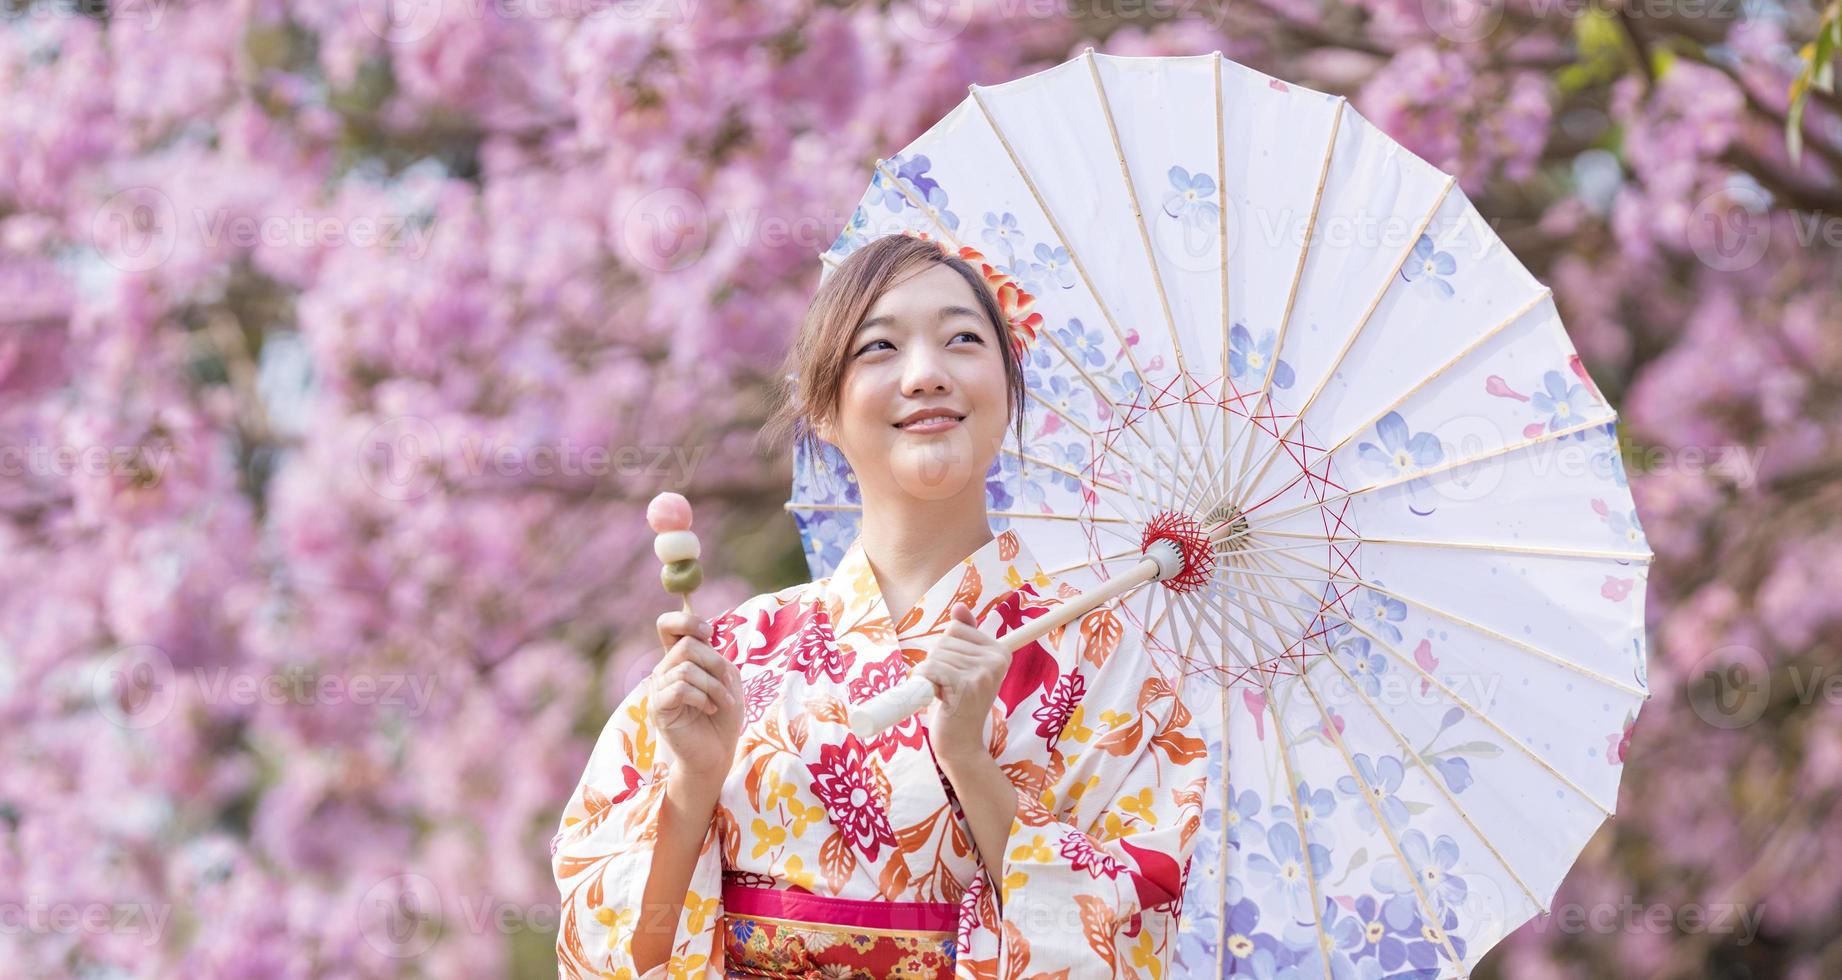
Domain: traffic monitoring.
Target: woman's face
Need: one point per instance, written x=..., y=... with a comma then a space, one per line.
x=924, y=346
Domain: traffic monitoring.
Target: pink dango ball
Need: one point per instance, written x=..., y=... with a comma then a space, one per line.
x=668, y=512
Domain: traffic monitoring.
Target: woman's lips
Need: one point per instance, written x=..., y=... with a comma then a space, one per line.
x=925, y=426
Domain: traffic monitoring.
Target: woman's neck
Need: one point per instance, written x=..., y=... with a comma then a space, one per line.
x=910, y=550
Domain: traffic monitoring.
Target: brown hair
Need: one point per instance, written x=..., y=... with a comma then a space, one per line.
x=812, y=377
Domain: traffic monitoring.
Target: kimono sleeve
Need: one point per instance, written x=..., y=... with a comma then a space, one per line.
x=602, y=855
x=1096, y=862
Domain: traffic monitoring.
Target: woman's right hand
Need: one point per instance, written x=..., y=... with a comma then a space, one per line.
x=697, y=699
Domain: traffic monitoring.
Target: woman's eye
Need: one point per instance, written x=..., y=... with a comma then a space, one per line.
x=974, y=334
x=865, y=348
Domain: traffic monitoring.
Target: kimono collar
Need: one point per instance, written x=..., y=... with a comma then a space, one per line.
x=999, y=567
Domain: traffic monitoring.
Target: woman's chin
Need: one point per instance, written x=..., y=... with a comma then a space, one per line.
x=935, y=468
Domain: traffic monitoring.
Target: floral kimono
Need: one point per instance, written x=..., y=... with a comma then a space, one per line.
x=833, y=856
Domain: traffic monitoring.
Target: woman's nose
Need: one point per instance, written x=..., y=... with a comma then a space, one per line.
x=922, y=372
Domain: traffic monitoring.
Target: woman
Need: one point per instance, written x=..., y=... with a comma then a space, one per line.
x=1037, y=817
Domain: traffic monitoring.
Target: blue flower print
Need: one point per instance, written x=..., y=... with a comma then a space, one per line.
x=1431, y=864
x=1081, y=343
x=825, y=534
x=1126, y=388
x=1001, y=233
x=1364, y=934
x=1421, y=945
x=998, y=482
x=1608, y=462
x=1627, y=530
x=856, y=233
x=1430, y=266
x=1240, y=812
x=1401, y=451
x=937, y=202
x=1067, y=396
x=1068, y=455
x=1052, y=267
x=911, y=171
x=1342, y=967
x=1455, y=770
x=1247, y=359
x=1365, y=666
x=1188, y=199
x=1267, y=964
x=1564, y=405
x=1243, y=939
x=1381, y=779
x=1288, y=869
x=1378, y=612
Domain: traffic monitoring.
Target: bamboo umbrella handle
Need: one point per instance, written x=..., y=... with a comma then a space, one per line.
x=1161, y=561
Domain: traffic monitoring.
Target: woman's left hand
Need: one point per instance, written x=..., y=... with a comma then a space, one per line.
x=966, y=668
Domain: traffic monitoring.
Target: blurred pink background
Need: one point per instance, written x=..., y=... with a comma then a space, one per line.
x=342, y=344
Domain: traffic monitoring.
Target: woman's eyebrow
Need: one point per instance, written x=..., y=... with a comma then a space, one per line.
x=940, y=315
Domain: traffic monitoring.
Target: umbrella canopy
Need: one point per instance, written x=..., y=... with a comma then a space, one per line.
x=1421, y=646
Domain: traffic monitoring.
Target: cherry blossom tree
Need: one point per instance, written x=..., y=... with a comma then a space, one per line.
x=343, y=342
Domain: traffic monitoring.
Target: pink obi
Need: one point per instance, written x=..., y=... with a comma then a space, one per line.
x=774, y=932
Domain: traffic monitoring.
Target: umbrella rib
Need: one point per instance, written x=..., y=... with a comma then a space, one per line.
x=1636, y=556
x=1387, y=833
x=1221, y=241
x=947, y=233
x=1055, y=226
x=1144, y=233
x=1479, y=627
x=1285, y=758
x=1095, y=479
x=1381, y=822
x=1089, y=433
x=1469, y=349
x=1368, y=314
x=1505, y=449
x=1473, y=710
x=1411, y=873
x=1433, y=778
x=1298, y=275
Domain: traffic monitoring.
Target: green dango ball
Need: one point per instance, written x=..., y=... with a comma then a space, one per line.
x=681, y=577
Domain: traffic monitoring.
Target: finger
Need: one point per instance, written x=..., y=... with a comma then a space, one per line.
x=942, y=673
x=688, y=649
x=962, y=613
x=686, y=696
x=705, y=656
x=704, y=681
x=964, y=629
x=677, y=623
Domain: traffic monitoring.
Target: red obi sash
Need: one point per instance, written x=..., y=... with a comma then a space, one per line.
x=794, y=935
